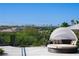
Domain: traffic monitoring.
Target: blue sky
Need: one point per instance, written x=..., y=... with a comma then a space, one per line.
x=38, y=14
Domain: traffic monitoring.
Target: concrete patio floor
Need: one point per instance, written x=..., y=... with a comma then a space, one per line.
x=32, y=51
x=11, y=51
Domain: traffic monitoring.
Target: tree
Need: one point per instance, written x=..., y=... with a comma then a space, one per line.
x=77, y=22
x=64, y=24
x=74, y=21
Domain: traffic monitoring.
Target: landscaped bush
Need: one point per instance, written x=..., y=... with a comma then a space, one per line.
x=1, y=51
x=30, y=36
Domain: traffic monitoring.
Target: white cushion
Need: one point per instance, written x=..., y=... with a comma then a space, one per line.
x=61, y=46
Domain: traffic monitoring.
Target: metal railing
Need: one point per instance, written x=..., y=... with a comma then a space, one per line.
x=23, y=51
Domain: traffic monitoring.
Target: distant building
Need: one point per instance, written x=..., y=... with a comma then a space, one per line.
x=9, y=30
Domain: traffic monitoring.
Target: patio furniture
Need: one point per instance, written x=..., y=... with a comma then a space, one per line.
x=64, y=40
x=66, y=48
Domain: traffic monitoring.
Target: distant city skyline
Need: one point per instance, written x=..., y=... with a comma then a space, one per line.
x=37, y=13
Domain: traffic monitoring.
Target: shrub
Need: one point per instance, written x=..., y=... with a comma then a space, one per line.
x=1, y=51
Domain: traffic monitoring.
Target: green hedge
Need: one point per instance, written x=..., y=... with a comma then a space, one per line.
x=26, y=37
x=1, y=51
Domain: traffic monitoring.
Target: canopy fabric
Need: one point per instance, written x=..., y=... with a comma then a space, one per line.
x=63, y=33
x=74, y=27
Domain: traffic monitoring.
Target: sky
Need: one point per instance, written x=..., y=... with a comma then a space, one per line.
x=37, y=13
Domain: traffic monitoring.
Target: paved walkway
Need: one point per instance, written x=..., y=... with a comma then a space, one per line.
x=32, y=51
x=11, y=51
x=43, y=51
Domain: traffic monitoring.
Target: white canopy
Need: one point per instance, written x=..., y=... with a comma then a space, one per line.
x=63, y=33
x=74, y=27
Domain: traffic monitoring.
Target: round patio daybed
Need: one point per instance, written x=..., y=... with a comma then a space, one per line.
x=63, y=40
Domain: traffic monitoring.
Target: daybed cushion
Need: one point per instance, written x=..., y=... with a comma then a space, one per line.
x=61, y=46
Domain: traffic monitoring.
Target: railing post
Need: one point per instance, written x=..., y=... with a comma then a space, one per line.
x=23, y=51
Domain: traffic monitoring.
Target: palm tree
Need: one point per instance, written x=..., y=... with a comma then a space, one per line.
x=73, y=22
